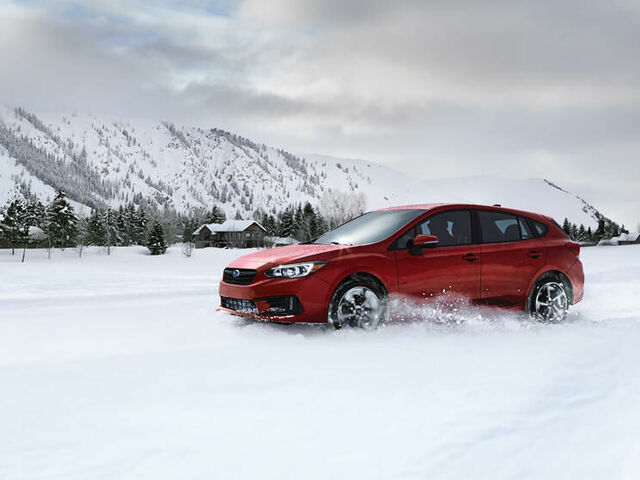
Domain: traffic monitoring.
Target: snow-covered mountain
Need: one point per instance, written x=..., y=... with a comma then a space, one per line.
x=100, y=161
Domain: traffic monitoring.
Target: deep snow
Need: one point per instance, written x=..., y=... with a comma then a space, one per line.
x=119, y=367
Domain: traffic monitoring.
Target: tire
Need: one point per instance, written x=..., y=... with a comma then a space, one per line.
x=360, y=302
x=549, y=299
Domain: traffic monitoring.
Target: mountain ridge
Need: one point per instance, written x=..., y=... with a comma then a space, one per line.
x=103, y=162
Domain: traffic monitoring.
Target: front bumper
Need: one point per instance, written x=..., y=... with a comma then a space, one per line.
x=303, y=300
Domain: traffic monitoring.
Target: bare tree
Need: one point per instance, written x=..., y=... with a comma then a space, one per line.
x=338, y=207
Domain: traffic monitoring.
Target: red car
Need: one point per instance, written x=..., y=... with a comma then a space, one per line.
x=485, y=254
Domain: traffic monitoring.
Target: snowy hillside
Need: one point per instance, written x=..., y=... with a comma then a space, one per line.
x=100, y=162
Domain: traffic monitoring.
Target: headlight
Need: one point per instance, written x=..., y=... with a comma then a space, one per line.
x=294, y=270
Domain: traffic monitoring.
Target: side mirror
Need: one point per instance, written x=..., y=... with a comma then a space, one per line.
x=423, y=241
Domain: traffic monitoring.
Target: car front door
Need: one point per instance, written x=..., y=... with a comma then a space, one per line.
x=452, y=268
x=511, y=256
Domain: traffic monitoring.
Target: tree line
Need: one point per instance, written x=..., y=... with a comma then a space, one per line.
x=29, y=223
x=605, y=230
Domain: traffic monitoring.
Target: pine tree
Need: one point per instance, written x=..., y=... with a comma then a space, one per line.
x=216, y=215
x=190, y=225
x=122, y=227
x=14, y=226
x=156, y=242
x=269, y=223
x=111, y=230
x=32, y=217
x=37, y=214
x=287, y=226
x=600, y=231
x=615, y=230
x=95, y=231
x=61, y=222
x=589, y=235
x=130, y=218
x=582, y=234
x=322, y=225
x=81, y=235
x=566, y=226
x=574, y=232
x=306, y=223
x=297, y=222
x=139, y=227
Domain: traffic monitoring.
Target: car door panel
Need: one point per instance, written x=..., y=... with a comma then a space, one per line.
x=450, y=269
x=507, y=266
x=507, y=269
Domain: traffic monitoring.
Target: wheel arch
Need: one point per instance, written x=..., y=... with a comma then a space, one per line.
x=356, y=276
x=552, y=273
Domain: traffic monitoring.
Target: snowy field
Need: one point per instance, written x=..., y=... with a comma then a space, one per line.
x=119, y=368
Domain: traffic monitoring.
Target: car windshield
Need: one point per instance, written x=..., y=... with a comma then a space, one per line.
x=369, y=228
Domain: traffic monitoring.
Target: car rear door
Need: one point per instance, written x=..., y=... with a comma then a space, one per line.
x=511, y=255
x=452, y=268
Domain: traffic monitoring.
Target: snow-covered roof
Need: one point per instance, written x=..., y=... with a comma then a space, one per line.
x=625, y=237
x=229, y=226
x=628, y=237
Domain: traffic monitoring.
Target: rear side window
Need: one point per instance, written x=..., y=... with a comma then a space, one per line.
x=541, y=228
x=499, y=227
x=525, y=231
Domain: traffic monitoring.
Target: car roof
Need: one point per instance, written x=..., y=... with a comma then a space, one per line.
x=432, y=206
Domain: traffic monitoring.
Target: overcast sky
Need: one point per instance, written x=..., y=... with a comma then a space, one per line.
x=546, y=88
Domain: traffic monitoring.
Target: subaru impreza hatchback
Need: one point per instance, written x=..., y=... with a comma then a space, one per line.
x=478, y=254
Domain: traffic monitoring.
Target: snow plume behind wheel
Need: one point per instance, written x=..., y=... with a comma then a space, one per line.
x=360, y=301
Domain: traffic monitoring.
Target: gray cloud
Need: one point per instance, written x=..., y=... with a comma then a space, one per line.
x=444, y=88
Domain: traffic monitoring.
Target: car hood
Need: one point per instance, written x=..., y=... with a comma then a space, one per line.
x=288, y=254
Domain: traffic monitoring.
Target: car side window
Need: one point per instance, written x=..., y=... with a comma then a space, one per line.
x=499, y=227
x=525, y=231
x=451, y=227
x=541, y=228
x=405, y=238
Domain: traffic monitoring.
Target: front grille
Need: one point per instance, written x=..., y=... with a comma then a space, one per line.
x=238, y=305
x=283, y=305
x=242, y=277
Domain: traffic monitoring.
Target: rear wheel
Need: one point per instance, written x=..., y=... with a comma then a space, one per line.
x=549, y=299
x=359, y=302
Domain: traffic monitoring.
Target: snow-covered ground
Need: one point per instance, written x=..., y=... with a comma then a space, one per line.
x=119, y=368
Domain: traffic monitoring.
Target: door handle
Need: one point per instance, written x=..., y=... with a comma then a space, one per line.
x=534, y=254
x=470, y=257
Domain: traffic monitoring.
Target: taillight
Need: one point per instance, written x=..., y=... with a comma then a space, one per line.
x=574, y=247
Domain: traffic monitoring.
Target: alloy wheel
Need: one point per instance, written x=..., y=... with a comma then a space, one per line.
x=551, y=302
x=359, y=307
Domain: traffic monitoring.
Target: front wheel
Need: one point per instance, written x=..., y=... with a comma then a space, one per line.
x=358, y=302
x=549, y=300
